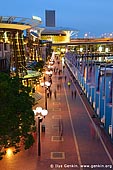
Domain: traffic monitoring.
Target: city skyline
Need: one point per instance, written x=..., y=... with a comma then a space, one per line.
x=92, y=17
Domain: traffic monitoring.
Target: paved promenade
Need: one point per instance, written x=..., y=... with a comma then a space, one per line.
x=72, y=138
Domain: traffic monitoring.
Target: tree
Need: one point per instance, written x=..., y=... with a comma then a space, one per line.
x=16, y=116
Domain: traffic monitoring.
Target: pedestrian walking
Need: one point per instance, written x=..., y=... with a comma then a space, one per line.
x=50, y=80
x=58, y=62
x=44, y=78
x=54, y=69
x=69, y=84
x=59, y=72
x=50, y=93
x=57, y=86
x=65, y=77
x=63, y=67
x=75, y=94
x=55, y=94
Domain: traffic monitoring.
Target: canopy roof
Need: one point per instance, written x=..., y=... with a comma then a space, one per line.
x=58, y=30
x=32, y=74
x=13, y=22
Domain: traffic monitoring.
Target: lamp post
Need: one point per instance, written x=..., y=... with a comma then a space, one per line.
x=49, y=72
x=45, y=84
x=39, y=113
x=39, y=141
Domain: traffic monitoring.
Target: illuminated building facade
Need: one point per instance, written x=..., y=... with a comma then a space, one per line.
x=12, y=42
x=57, y=35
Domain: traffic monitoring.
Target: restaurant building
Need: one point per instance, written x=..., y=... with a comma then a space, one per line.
x=13, y=44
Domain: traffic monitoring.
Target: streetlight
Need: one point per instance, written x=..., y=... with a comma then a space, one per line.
x=49, y=72
x=45, y=84
x=50, y=67
x=39, y=113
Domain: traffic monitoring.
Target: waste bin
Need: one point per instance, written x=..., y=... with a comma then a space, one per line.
x=43, y=128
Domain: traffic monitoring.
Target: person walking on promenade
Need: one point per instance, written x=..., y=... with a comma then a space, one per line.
x=75, y=94
x=69, y=84
x=57, y=86
x=65, y=77
x=63, y=67
x=55, y=94
x=72, y=94
x=54, y=69
x=50, y=92
x=44, y=78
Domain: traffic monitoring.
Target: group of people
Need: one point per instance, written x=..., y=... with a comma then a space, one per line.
x=73, y=93
x=59, y=72
x=49, y=93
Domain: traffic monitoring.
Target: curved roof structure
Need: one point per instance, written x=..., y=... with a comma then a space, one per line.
x=59, y=30
x=13, y=22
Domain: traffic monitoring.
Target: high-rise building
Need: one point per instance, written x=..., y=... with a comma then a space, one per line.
x=50, y=18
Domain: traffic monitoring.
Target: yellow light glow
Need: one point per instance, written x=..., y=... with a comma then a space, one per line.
x=81, y=49
x=100, y=49
x=15, y=26
x=9, y=152
x=106, y=49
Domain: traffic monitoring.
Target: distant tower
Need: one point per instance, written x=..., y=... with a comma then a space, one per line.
x=50, y=18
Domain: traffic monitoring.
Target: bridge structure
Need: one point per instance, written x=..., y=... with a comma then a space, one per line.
x=96, y=48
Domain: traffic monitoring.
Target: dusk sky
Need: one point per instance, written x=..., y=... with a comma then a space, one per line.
x=94, y=16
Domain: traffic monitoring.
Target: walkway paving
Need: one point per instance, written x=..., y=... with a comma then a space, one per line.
x=72, y=139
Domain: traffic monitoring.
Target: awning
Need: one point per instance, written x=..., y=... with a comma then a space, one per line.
x=32, y=74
